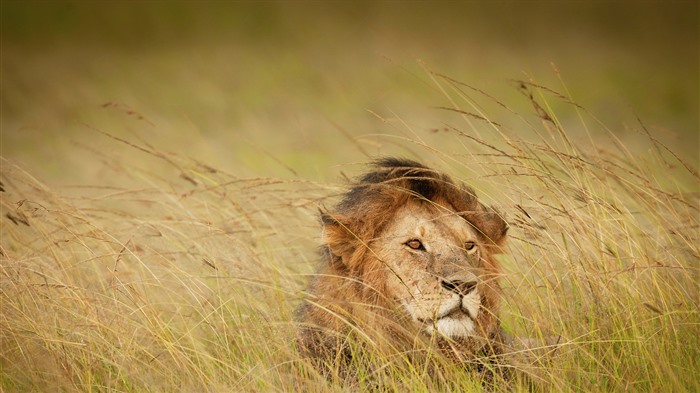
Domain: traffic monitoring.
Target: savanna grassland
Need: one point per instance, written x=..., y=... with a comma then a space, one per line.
x=163, y=165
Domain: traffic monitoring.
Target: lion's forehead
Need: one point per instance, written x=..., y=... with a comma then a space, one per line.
x=434, y=222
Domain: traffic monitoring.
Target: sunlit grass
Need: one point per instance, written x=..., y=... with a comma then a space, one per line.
x=188, y=280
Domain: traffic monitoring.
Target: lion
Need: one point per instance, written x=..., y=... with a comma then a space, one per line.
x=407, y=258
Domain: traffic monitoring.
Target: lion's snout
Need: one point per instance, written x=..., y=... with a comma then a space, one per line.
x=459, y=287
x=462, y=283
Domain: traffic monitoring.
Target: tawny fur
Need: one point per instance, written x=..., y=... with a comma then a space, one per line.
x=364, y=277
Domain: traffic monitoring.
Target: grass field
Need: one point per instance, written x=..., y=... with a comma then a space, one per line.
x=163, y=166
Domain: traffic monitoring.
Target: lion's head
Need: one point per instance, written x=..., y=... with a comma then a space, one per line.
x=406, y=247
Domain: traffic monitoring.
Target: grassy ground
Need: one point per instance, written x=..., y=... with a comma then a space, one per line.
x=161, y=182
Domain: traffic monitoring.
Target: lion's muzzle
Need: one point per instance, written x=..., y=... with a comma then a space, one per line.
x=452, y=316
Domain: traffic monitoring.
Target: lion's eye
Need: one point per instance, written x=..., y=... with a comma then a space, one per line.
x=415, y=244
x=470, y=246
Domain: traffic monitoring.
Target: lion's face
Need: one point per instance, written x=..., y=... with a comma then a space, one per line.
x=434, y=268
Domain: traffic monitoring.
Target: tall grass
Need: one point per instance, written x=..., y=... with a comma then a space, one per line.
x=188, y=280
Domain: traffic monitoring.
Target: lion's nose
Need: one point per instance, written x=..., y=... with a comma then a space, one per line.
x=459, y=287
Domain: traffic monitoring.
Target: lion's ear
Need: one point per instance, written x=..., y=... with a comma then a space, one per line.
x=492, y=226
x=502, y=233
x=338, y=236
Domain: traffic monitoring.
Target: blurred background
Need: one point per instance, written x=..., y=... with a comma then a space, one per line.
x=295, y=88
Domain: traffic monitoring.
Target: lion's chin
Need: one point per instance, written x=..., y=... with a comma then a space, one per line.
x=453, y=326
